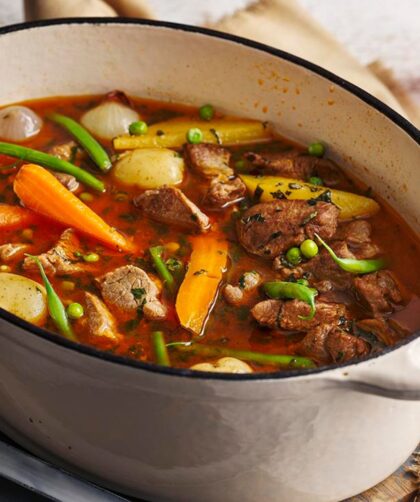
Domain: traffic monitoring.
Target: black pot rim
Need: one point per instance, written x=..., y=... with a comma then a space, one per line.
x=375, y=103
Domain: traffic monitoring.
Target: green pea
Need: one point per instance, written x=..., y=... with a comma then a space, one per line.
x=91, y=257
x=294, y=256
x=206, y=112
x=194, y=135
x=309, y=248
x=86, y=197
x=75, y=311
x=316, y=149
x=138, y=128
x=240, y=164
x=314, y=180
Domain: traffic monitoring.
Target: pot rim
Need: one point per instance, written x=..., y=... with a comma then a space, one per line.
x=372, y=101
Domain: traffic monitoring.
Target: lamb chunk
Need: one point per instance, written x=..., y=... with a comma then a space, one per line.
x=292, y=310
x=234, y=295
x=295, y=164
x=129, y=290
x=67, y=180
x=237, y=295
x=170, y=205
x=100, y=321
x=10, y=252
x=224, y=193
x=208, y=160
x=378, y=290
x=63, y=258
x=277, y=314
x=343, y=346
x=268, y=313
x=327, y=343
x=387, y=331
x=357, y=235
x=270, y=228
x=66, y=151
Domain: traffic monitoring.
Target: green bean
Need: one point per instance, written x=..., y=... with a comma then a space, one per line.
x=280, y=289
x=94, y=149
x=245, y=355
x=159, y=347
x=53, y=163
x=55, y=306
x=353, y=265
x=162, y=269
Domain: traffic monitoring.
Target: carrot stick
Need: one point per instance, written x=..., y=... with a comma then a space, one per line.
x=198, y=291
x=40, y=191
x=12, y=217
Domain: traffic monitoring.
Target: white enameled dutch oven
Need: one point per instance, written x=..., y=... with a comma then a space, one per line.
x=168, y=434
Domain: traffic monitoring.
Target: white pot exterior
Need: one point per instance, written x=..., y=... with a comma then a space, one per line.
x=165, y=437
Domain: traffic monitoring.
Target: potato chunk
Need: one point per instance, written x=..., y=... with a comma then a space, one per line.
x=224, y=365
x=150, y=168
x=23, y=297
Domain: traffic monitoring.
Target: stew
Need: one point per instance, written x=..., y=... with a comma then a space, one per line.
x=186, y=238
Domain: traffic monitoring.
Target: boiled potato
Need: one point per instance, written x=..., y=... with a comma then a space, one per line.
x=23, y=297
x=150, y=168
x=224, y=365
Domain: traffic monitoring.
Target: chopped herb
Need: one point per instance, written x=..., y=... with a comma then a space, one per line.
x=216, y=135
x=275, y=235
x=287, y=193
x=200, y=272
x=194, y=217
x=138, y=293
x=73, y=153
x=324, y=197
x=140, y=308
x=258, y=193
x=309, y=218
x=257, y=217
x=278, y=194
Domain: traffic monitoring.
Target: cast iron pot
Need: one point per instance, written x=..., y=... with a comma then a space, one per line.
x=168, y=434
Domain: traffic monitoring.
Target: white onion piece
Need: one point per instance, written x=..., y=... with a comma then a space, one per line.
x=109, y=119
x=18, y=123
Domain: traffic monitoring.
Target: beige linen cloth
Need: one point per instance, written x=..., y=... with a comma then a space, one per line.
x=279, y=23
x=285, y=25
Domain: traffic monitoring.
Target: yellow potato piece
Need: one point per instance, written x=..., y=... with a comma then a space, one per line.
x=223, y=131
x=224, y=365
x=150, y=168
x=351, y=205
x=23, y=297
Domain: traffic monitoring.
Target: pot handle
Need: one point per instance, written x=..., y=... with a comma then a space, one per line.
x=395, y=375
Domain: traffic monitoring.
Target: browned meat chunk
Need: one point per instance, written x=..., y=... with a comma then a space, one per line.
x=208, y=160
x=328, y=343
x=357, y=235
x=129, y=289
x=100, y=321
x=64, y=151
x=270, y=228
x=237, y=295
x=387, y=331
x=67, y=180
x=268, y=313
x=378, y=290
x=64, y=258
x=223, y=193
x=293, y=164
x=10, y=252
x=170, y=205
x=277, y=314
